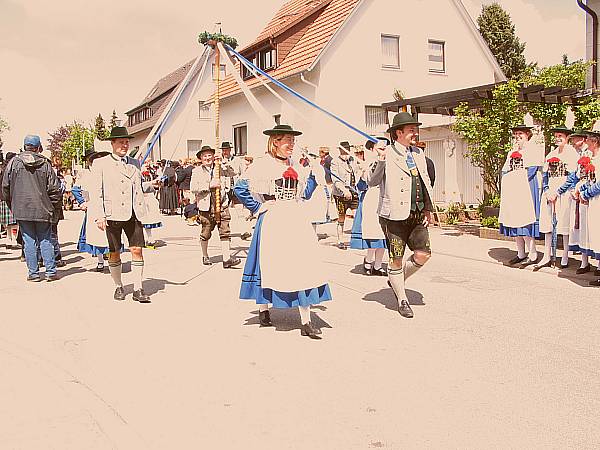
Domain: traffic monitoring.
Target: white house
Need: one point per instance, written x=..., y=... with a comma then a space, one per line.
x=349, y=57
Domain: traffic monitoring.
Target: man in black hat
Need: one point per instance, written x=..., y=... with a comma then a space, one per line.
x=577, y=139
x=119, y=206
x=405, y=205
x=345, y=172
x=204, y=185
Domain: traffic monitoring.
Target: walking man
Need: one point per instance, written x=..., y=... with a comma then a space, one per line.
x=345, y=172
x=118, y=206
x=405, y=205
x=32, y=191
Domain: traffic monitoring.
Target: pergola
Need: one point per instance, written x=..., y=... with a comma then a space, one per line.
x=445, y=103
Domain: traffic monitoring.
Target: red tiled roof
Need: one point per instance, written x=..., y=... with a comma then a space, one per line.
x=311, y=44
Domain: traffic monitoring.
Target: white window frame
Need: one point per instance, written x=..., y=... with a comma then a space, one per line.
x=383, y=62
x=376, y=126
x=237, y=150
x=223, y=72
x=429, y=62
x=204, y=110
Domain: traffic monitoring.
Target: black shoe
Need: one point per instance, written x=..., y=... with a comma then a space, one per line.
x=405, y=310
x=516, y=260
x=341, y=246
x=564, y=266
x=310, y=331
x=597, y=272
x=527, y=262
x=583, y=270
x=53, y=277
x=60, y=263
x=246, y=236
x=595, y=282
x=140, y=296
x=34, y=278
x=100, y=268
x=231, y=262
x=367, y=267
x=206, y=261
x=119, y=294
x=379, y=272
x=264, y=317
x=539, y=266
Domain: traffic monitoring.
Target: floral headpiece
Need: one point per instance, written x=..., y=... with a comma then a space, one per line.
x=290, y=173
x=516, y=155
x=584, y=161
x=554, y=160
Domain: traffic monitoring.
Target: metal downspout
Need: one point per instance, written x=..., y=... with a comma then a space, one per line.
x=594, y=17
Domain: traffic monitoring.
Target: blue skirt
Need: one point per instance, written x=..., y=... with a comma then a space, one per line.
x=251, y=288
x=84, y=247
x=356, y=239
x=531, y=230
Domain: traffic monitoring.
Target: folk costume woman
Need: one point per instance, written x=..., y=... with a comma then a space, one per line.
x=560, y=162
x=282, y=268
x=366, y=230
x=520, y=196
x=91, y=239
x=152, y=220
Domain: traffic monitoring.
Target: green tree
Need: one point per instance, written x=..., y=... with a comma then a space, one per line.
x=57, y=139
x=100, y=127
x=566, y=75
x=488, y=131
x=79, y=140
x=497, y=29
x=113, y=120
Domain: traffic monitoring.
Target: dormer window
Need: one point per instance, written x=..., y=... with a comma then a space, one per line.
x=265, y=59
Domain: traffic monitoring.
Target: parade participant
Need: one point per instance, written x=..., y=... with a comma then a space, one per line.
x=91, y=239
x=366, y=230
x=6, y=216
x=326, y=163
x=520, y=196
x=168, y=190
x=577, y=139
x=32, y=191
x=344, y=171
x=238, y=164
x=117, y=206
x=204, y=186
x=184, y=177
x=152, y=219
x=560, y=162
x=283, y=267
x=582, y=231
x=320, y=201
x=405, y=206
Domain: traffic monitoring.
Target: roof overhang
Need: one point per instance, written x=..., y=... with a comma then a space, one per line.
x=445, y=103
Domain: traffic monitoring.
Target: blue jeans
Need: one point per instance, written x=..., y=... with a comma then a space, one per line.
x=38, y=235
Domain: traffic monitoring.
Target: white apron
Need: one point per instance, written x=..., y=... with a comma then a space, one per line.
x=290, y=256
x=516, y=205
x=563, y=208
x=152, y=206
x=371, y=229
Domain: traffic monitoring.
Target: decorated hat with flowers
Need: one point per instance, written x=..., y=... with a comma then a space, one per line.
x=516, y=155
x=584, y=161
x=554, y=160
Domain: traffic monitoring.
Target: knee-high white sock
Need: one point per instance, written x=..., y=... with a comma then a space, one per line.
x=226, y=249
x=204, y=247
x=396, y=277
x=370, y=256
x=340, y=232
x=410, y=267
x=585, y=261
x=565, y=255
x=263, y=308
x=137, y=269
x=531, y=248
x=379, y=252
x=304, y=314
x=115, y=272
x=100, y=259
x=520, y=247
x=148, y=233
x=547, y=248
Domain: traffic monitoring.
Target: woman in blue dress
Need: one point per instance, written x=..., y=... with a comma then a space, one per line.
x=283, y=268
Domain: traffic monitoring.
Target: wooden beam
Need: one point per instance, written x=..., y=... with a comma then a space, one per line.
x=552, y=90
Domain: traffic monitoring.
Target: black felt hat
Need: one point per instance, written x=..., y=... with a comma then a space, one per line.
x=92, y=154
x=561, y=129
x=226, y=145
x=118, y=133
x=205, y=148
x=282, y=129
x=522, y=127
x=401, y=119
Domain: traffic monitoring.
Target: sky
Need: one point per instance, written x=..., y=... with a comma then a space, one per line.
x=67, y=60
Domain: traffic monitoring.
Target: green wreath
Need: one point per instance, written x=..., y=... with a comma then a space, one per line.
x=205, y=37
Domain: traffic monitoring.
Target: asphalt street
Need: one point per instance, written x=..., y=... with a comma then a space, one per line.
x=495, y=357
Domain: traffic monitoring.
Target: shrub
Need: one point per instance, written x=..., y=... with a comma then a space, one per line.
x=490, y=222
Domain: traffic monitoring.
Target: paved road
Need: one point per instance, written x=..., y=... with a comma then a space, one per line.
x=494, y=358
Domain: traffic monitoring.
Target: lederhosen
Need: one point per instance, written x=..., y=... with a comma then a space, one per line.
x=341, y=203
x=410, y=231
x=208, y=220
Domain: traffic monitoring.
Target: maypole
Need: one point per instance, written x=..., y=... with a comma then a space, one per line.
x=212, y=39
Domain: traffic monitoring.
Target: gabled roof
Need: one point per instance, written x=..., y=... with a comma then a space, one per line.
x=164, y=85
x=330, y=15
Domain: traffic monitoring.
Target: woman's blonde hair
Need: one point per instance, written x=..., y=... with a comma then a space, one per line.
x=271, y=148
